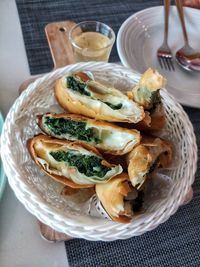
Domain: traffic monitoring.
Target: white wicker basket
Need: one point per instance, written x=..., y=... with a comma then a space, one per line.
x=41, y=195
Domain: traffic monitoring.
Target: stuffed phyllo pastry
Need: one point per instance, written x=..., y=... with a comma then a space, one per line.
x=71, y=163
x=152, y=153
x=157, y=115
x=80, y=94
x=146, y=92
x=154, y=120
x=105, y=136
x=119, y=198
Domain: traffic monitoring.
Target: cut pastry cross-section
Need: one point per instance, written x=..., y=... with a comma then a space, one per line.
x=152, y=153
x=105, y=136
x=146, y=92
x=80, y=94
x=71, y=163
x=119, y=198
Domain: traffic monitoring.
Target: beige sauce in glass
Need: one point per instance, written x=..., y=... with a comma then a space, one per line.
x=93, y=46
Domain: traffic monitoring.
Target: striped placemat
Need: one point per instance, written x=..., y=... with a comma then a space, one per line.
x=175, y=243
x=34, y=15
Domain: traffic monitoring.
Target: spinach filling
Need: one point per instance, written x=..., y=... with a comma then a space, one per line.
x=154, y=165
x=152, y=98
x=137, y=203
x=154, y=106
x=81, y=88
x=75, y=129
x=115, y=107
x=77, y=85
x=87, y=164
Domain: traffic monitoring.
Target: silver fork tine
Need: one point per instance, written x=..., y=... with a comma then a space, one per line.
x=164, y=53
x=172, y=65
x=160, y=62
x=168, y=63
x=165, y=63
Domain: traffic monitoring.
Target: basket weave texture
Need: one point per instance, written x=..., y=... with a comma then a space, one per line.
x=41, y=195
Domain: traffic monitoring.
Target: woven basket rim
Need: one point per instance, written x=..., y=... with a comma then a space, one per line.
x=69, y=224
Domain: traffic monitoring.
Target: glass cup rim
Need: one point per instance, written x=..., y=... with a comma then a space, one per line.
x=92, y=21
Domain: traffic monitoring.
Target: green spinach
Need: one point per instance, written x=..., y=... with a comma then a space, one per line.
x=154, y=165
x=87, y=164
x=152, y=98
x=77, y=85
x=75, y=129
x=115, y=107
x=138, y=202
x=82, y=88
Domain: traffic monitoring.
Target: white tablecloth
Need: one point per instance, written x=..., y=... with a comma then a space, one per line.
x=20, y=241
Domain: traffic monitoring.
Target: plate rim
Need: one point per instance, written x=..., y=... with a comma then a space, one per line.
x=2, y=173
x=118, y=44
x=123, y=57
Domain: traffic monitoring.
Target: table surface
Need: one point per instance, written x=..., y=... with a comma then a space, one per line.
x=20, y=242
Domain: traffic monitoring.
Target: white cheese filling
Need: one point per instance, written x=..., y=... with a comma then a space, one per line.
x=110, y=95
x=113, y=139
x=110, y=138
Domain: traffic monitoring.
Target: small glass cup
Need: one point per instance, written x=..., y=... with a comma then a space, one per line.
x=91, y=41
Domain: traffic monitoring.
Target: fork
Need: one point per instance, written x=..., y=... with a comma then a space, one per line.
x=164, y=53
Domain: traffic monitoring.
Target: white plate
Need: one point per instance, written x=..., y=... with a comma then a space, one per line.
x=2, y=174
x=139, y=38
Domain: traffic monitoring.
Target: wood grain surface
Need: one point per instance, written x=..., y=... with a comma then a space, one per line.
x=59, y=44
x=62, y=55
x=60, y=47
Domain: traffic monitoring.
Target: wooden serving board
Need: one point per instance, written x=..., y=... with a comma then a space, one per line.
x=62, y=55
x=59, y=44
x=60, y=47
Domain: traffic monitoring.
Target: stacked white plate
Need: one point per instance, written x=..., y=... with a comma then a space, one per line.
x=2, y=174
x=142, y=34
